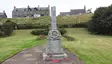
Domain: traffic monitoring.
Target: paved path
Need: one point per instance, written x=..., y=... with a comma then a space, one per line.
x=34, y=56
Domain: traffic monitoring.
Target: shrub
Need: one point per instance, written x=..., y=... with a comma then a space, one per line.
x=11, y=23
x=45, y=31
x=32, y=26
x=68, y=38
x=40, y=32
x=6, y=29
x=21, y=26
x=73, y=25
x=62, y=31
x=41, y=37
x=2, y=34
x=45, y=26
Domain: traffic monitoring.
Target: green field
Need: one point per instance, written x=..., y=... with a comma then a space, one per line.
x=92, y=49
x=46, y=20
x=20, y=40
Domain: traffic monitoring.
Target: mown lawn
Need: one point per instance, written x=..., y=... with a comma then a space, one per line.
x=92, y=49
x=20, y=40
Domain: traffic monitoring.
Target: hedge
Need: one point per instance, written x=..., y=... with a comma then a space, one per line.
x=32, y=26
x=44, y=26
x=45, y=31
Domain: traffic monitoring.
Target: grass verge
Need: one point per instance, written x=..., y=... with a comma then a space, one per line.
x=93, y=49
x=20, y=40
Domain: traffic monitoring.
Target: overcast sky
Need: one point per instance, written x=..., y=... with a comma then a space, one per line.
x=61, y=5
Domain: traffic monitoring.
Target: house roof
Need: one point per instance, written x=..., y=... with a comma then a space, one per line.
x=32, y=9
x=77, y=11
x=3, y=15
x=64, y=13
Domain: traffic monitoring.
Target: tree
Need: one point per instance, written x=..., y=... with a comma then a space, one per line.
x=101, y=22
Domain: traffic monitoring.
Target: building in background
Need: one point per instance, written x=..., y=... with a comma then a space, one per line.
x=64, y=13
x=3, y=14
x=74, y=12
x=30, y=12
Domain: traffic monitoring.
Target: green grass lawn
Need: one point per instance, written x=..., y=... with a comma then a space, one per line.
x=92, y=49
x=20, y=40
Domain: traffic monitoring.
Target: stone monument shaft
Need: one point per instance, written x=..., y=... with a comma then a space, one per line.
x=53, y=18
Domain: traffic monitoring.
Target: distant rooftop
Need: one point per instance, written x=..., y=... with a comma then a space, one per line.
x=74, y=12
x=77, y=11
x=3, y=14
x=64, y=13
x=30, y=11
x=30, y=8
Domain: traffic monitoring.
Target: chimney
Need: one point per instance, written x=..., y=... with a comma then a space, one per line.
x=49, y=6
x=85, y=8
x=49, y=9
x=29, y=9
x=38, y=7
x=4, y=11
x=28, y=6
x=14, y=7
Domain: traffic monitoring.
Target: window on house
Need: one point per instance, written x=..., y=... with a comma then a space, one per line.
x=16, y=10
x=29, y=9
x=42, y=14
x=35, y=8
x=24, y=9
x=32, y=15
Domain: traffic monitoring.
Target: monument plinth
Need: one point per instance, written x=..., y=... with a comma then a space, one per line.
x=54, y=49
